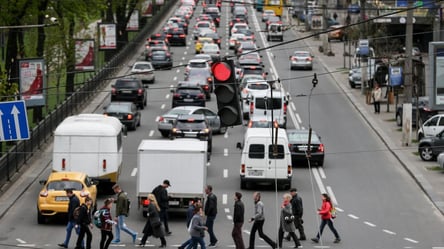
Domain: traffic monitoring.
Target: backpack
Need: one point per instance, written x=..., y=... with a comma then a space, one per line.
x=333, y=212
x=76, y=213
x=97, y=218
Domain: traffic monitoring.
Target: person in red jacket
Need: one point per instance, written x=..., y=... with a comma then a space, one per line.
x=326, y=219
x=107, y=224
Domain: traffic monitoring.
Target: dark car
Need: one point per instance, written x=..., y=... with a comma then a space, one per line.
x=160, y=59
x=176, y=36
x=132, y=90
x=354, y=8
x=424, y=111
x=201, y=77
x=188, y=96
x=430, y=147
x=192, y=126
x=298, y=145
x=126, y=112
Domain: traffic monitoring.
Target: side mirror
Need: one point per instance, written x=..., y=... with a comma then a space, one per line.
x=239, y=145
x=42, y=182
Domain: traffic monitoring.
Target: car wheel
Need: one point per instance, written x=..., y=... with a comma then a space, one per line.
x=165, y=133
x=320, y=163
x=40, y=218
x=398, y=120
x=133, y=126
x=352, y=84
x=426, y=153
x=243, y=184
x=223, y=130
x=420, y=136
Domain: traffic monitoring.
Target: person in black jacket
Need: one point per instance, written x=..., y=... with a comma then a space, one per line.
x=210, y=213
x=153, y=225
x=298, y=210
x=73, y=203
x=85, y=225
x=238, y=220
x=161, y=194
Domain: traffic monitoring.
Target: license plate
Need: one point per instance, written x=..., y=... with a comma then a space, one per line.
x=255, y=172
x=62, y=198
x=127, y=91
x=188, y=100
x=302, y=147
x=173, y=203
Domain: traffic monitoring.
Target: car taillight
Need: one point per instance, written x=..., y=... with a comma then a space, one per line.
x=426, y=109
x=321, y=148
x=176, y=95
x=130, y=116
x=104, y=164
x=209, y=79
x=161, y=119
x=289, y=169
x=84, y=193
x=218, y=41
x=44, y=194
x=206, y=87
x=294, y=58
x=285, y=109
x=200, y=96
x=145, y=202
x=140, y=91
x=169, y=35
x=63, y=164
x=113, y=90
x=231, y=24
x=242, y=169
x=309, y=59
x=182, y=36
x=251, y=108
x=217, y=19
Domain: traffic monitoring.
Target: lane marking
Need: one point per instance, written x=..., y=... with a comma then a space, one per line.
x=318, y=180
x=227, y=210
x=353, y=216
x=369, y=224
x=298, y=118
x=162, y=107
x=392, y=233
x=411, y=240
x=225, y=173
x=175, y=78
x=151, y=133
x=322, y=173
x=224, y=199
x=178, y=70
x=229, y=217
x=225, y=152
x=293, y=106
x=134, y=172
x=20, y=241
x=157, y=118
x=332, y=195
x=167, y=96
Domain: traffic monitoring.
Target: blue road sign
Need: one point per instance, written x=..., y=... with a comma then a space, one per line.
x=14, y=121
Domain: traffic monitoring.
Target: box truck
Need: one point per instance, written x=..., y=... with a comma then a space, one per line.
x=92, y=144
x=181, y=161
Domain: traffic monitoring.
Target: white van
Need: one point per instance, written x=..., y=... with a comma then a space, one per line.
x=260, y=163
x=89, y=143
x=267, y=108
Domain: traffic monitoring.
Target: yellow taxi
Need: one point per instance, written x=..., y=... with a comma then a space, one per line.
x=201, y=41
x=52, y=198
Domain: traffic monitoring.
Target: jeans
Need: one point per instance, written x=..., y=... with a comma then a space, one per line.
x=196, y=240
x=105, y=240
x=187, y=243
x=236, y=233
x=257, y=226
x=163, y=214
x=209, y=224
x=69, y=228
x=122, y=226
x=328, y=222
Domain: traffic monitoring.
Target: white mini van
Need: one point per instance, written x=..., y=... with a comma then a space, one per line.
x=272, y=107
x=265, y=162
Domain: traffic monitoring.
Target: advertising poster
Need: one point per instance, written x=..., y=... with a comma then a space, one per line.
x=439, y=76
x=32, y=81
x=133, y=23
x=107, y=36
x=84, y=55
x=159, y=2
x=147, y=8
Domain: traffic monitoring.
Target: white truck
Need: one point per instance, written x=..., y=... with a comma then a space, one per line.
x=92, y=144
x=182, y=161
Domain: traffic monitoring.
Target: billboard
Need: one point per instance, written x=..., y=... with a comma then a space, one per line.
x=84, y=55
x=436, y=71
x=133, y=22
x=107, y=36
x=32, y=85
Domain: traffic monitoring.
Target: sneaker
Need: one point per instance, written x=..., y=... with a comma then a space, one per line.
x=168, y=233
x=302, y=238
x=315, y=240
x=116, y=241
x=337, y=240
x=62, y=245
x=134, y=238
x=213, y=244
x=288, y=238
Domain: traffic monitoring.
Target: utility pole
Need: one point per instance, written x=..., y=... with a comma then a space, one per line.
x=307, y=25
x=408, y=79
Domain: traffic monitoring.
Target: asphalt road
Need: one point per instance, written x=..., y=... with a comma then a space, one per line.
x=379, y=204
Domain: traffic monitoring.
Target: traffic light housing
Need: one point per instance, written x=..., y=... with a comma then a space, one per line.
x=227, y=93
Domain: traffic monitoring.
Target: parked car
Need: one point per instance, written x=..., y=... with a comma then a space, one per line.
x=266, y=14
x=424, y=111
x=430, y=147
x=129, y=89
x=144, y=71
x=53, y=201
x=301, y=59
x=126, y=112
x=431, y=127
x=298, y=143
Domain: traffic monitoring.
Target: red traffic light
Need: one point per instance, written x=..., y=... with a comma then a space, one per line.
x=221, y=71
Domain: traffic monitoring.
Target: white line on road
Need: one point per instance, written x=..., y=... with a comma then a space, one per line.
x=227, y=210
x=411, y=240
x=134, y=172
x=353, y=216
x=332, y=195
x=298, y=118
x=157, y=119
x=322, y=173
x=229, y=217
x=318, y=180
x=26, y=245
x=186, y=52
x=225, y=152
x=225, y=173
x=151, y=133
x=339, y=209
x=226, y=135
x=393, y=233
x=224, y=199
x=293, y=106
x=369, y=224
x=20, y=241
x=178, y=70
x=162, y=107
x=167, y=96
x=175, y=78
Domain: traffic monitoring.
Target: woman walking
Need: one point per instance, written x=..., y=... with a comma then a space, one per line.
x=325, y=213
x=287, y=221
x=197, y=229
x=107, y=224
x=153, y=225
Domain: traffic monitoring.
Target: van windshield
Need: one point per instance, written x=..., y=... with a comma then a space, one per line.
x=268, y=103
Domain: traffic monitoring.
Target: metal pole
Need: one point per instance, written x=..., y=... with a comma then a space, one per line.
x=408, y=50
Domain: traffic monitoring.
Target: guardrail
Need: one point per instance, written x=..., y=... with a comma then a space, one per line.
x=20, y=154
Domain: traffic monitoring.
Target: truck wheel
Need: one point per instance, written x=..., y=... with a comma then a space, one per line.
x=243, y=185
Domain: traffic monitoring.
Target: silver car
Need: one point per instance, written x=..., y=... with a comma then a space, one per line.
x=301, y=59
x=165, y=122
x=144, y=71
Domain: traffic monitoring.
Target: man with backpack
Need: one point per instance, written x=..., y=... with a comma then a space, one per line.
x=84, y=224
x=122, y=210
x=162, y=198
x=74, y=202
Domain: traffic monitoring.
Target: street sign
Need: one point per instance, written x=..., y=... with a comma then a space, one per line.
x=14, y=121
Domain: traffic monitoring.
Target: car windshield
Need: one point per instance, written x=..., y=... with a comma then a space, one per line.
x=119, y=108
x=178, y=112
x=189, y=91
x=62, y=185
x=130, y=84
x=258, y=86
x=268, y=103
x=143, y=66
x=301, y=54
x=198, y=64
x=296, y=137
x=188, y=125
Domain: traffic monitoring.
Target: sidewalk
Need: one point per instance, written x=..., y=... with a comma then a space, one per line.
x=425, y=174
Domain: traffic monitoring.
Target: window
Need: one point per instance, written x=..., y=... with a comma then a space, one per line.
x=280, y=153
x=268, y=103
x=274, y=2
x=256, y=151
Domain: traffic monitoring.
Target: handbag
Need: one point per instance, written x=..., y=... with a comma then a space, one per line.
x=289, y=219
